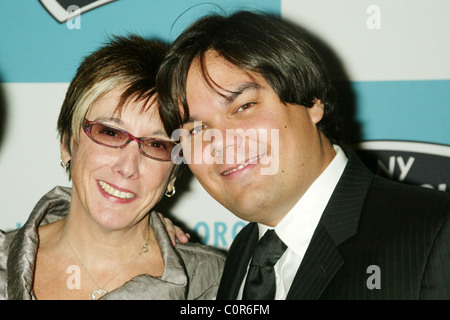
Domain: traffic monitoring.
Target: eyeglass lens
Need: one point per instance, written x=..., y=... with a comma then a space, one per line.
x=117, y=138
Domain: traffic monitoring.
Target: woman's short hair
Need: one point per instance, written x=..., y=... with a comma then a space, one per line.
x=261, y=43
x=130, y=62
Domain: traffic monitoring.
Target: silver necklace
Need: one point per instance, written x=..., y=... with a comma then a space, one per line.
x=98, y=293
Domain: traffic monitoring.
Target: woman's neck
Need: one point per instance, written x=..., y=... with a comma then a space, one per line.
x=94, y=244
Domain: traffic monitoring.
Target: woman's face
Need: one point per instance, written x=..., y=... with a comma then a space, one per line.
x=116, y=188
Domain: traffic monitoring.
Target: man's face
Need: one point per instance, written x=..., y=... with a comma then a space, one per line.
x=250, y=151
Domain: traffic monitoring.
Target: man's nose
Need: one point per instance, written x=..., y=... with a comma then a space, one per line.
x=224, y=142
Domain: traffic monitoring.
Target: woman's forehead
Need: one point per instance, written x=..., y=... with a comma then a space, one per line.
x=112, y=103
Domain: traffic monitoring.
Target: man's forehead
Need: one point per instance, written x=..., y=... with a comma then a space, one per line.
x=222, y=77
x=212, y=65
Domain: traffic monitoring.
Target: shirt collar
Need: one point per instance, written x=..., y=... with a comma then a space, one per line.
x=297, y=227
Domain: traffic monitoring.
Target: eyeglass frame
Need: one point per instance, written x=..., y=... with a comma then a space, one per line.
x=87, y=124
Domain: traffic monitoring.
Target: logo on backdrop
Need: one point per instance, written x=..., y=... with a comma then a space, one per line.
x=65, y=10
x=417, y=163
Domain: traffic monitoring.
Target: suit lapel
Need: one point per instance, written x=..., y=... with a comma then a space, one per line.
x=338, y=223
x=320, y=263
x=237, y=262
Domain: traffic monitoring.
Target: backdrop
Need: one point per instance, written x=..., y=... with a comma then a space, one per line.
x=389, y=58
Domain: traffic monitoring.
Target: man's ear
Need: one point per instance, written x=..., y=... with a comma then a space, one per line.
x=316, y=111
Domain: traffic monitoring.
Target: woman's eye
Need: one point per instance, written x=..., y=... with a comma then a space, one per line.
x=245, y=107
x=109, y=132
x=157, y=145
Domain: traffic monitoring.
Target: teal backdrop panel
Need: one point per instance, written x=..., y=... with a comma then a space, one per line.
x=416, y=110
x=35, y=47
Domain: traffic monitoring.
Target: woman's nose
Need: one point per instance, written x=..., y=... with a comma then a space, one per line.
x=127, y=161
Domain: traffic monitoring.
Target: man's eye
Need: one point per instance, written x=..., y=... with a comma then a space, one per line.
x=198, y=129
x=245, y=107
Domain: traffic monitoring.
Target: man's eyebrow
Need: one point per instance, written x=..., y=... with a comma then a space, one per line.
x=228, y=99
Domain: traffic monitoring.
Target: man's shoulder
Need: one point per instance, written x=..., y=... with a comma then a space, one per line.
x=393, y=191
x=405, y=206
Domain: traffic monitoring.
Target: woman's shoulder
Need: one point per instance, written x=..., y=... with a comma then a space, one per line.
x=191, y=251
x=197, y=256
x=200, y=251
x=204, y=267
x=6, y=238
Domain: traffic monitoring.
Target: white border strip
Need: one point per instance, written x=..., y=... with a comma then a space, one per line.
x=407, y=146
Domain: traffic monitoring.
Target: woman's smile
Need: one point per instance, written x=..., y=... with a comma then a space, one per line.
x=114, y=191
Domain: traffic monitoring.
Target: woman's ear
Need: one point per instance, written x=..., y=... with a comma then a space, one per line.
x=65, y=152
x=171, y=184
x=65, y=147
x=316, y=111
x=170, y=188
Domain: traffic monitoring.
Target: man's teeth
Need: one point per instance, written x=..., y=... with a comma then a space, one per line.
x=114, y=192
x=236, y=169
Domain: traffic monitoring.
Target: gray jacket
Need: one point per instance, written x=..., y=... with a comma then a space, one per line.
x=192, y=271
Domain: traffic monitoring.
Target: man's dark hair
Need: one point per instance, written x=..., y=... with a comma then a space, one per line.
x=277, y=50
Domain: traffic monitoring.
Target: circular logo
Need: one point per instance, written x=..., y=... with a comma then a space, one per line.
x=418, y=163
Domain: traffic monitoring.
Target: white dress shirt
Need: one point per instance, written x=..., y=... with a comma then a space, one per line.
x=297, y=227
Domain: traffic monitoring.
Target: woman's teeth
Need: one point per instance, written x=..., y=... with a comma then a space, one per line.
x=114, y=192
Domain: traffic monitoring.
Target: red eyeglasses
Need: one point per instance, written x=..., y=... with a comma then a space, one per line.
x=116, y=138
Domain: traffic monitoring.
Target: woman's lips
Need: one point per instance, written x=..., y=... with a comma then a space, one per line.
x=115, y=192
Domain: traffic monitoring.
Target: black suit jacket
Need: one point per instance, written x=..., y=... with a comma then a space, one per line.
x=404, y=231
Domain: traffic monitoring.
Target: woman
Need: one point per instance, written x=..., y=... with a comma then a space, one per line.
x=100, y=239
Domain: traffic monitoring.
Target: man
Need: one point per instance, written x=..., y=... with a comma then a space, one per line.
x=343, y=233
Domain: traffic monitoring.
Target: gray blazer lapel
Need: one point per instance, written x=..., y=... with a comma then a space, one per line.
x=173, y=283
x=338, y=223
x=22, y=255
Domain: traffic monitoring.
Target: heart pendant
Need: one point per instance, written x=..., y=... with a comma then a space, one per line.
x=100, y=293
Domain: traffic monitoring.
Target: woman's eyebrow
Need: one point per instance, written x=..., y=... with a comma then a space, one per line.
x=119, y=122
